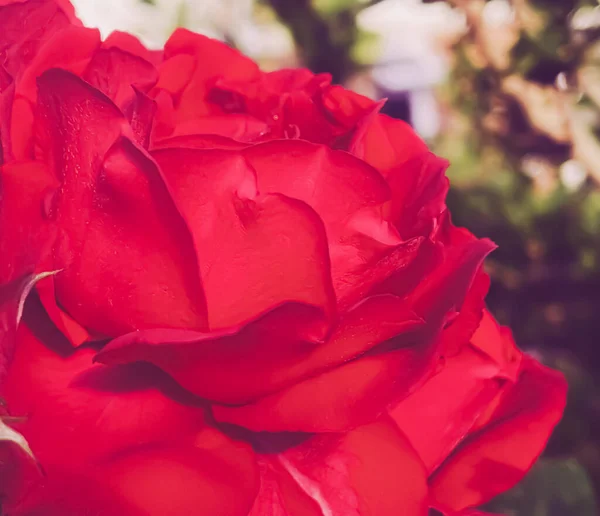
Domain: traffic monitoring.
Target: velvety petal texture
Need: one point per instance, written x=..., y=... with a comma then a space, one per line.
x=372, y=470
x=480, y=422
x=112, y=195
x=235, y=292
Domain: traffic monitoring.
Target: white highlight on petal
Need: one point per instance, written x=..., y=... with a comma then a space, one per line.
x=8, y=434
x=308, y=486
x=31, y=281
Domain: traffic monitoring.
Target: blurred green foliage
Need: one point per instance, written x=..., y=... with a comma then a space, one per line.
x=326, y=33
x=523, y=109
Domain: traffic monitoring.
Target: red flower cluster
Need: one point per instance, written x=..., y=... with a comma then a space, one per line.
x=246, y=294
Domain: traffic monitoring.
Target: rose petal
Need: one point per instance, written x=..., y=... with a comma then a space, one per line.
x=76, y=413
x=12, y=301
x=210, y=473
x=7, y=90
x=497, y=343
x=348, y=196
x=211, y=60
x=25, y=187
x=337, y=400
x=289, y=101
x=358, y=391
x=113, y=197
x=257, y=360
x=419, y=187
x=28, y=190
x=302, y=118
x=256, y=252
x=461, y=397
x=18, y=466
x=498, y=455
x=454, y=276
x=238, y=127
x=114, y=71
x=70, y=49
x=333, y=183
x=370, y=263
x=19, y=470
x=441, y=413
x=140, y=113
x=69, y=327
x=461, y=329
x=346, y=106
x=386, y=143
x=280, y=494
x=25, y=26
x=129, y=43
x=198, y=141
x=369, y=471
x=174, y=74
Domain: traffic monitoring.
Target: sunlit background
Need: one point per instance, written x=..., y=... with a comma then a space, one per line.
x=509, y=91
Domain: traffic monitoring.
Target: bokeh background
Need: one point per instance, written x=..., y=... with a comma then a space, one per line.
x=509, y=91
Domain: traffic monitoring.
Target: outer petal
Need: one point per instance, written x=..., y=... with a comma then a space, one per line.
x=12, y=301
x=337, y=400
x=497, y=456
x=358, y=391
x=129, y=43
x=114, y=71
x=419, y=187
x=238, y=127
x=441, y=413
x=258, y=360
x=19, y=470
x=386, y=143
x=116, y=440
x=210, y=474
x=198, y=141
x=140, y=113
x=27, y=192
x=27, y=235
x=112, y=196
x=76, y=413
x=459, y=332
x=346, y=106
x=349, y=196
x=280, y=494
x=454, y=402
x=18, y=467
x=370, y=471
x=497, y=343
x=286, y=100
x=256, y=252
x=333, y=183
x=7, y=90
x=25, y=26
x=69, y=49
x=454, y=274
x=208, y=61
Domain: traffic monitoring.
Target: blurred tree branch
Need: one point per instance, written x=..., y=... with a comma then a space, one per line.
x=325, y=44
x=538, y=38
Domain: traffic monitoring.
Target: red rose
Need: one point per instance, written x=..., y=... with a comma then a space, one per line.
x=249, y=296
